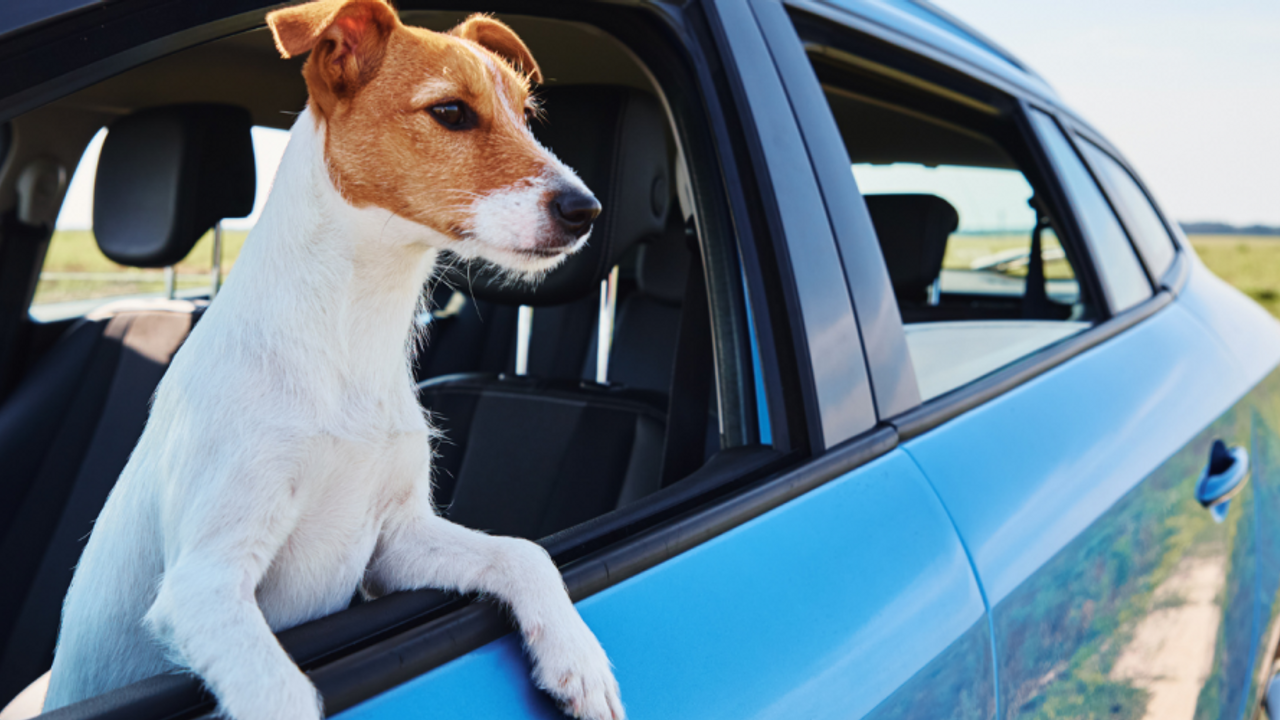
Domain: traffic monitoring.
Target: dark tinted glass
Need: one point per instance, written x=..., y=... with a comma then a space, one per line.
x=1144, y=224
x=1118, y=266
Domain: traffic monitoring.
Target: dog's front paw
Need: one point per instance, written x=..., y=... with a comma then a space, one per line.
x=570, y=665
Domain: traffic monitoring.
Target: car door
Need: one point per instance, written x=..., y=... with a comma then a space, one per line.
x=1075, y=476
x=836, y=589
x=1114, y=591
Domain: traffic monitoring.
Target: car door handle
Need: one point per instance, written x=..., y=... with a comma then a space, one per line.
x=1224, y=477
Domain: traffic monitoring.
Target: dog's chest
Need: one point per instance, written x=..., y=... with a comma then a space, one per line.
x=346, y=490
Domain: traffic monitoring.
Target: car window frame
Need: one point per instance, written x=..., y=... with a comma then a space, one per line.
x=836, y=387
x=348, y=663
x=1056, y=119
x=1077, y=131
x=933, y=65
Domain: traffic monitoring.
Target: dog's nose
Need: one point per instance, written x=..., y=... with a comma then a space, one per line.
x=575, y=211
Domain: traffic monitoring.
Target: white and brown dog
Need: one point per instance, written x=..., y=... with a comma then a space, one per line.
x=286, y=461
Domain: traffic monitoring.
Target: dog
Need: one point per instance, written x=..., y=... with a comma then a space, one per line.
x=286, y=462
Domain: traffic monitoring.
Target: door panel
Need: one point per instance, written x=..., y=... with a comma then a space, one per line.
x=1114, y=592
x=854, y=599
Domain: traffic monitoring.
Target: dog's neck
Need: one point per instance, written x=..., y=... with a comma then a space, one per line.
x=341, y=284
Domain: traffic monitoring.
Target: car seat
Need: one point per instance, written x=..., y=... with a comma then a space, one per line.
x=165, y=176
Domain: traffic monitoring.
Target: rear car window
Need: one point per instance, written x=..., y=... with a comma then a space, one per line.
x=1117, y=263
x=1145, y=227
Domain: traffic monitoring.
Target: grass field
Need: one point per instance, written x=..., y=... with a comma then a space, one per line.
x=75, y=269
x=1249, y=262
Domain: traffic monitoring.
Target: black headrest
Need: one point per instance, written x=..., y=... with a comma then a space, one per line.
x=616, y=140
x=166, y=176
x=913, y=232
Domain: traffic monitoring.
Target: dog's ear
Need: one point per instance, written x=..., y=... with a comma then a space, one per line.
x=346, y=38
x=502, y=40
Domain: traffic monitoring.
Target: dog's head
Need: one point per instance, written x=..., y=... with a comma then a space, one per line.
x=434, y=127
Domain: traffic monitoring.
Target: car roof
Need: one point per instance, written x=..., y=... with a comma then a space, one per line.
x=921, y=23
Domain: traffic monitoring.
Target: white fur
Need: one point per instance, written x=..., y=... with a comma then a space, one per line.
x=286, y=462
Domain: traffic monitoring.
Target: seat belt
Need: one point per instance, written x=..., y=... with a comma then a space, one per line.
x=692, y=375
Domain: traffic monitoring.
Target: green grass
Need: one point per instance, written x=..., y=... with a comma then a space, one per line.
x=964, y=250
x=1249, y=262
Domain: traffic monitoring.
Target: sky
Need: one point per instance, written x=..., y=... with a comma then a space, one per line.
x=1187, y=90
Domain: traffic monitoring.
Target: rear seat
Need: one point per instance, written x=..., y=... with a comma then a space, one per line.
x=69, y=428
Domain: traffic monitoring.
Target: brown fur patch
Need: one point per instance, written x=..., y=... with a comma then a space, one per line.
x=373, y=81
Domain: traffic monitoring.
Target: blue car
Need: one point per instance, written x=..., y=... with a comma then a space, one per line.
x=884, y=389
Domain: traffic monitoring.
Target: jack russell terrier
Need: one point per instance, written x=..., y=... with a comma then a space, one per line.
x=286, y=461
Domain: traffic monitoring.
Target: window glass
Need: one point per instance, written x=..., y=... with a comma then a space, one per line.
x=76, y=276
x=989, y=251
x=1142, y=220
x=1118, y=266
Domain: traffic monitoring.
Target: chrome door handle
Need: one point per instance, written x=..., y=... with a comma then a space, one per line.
x=1224, y=477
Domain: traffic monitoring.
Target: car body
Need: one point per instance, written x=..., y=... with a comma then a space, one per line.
x=1028, y=542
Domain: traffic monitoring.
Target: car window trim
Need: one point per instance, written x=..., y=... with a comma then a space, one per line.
x=1077, y=133
x=835, y=384
x=866, y=277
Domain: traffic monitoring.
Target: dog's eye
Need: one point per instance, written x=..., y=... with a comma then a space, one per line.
x=454, y=115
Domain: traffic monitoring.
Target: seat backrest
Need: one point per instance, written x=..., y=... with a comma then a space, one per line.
x=165, y=177
x=913, y=232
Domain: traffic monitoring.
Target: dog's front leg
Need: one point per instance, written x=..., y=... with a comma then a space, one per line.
x=207, y=615
x=419, y=549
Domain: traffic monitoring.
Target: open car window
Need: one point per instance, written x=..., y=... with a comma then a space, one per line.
x=981, y=267
x=580, y=422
